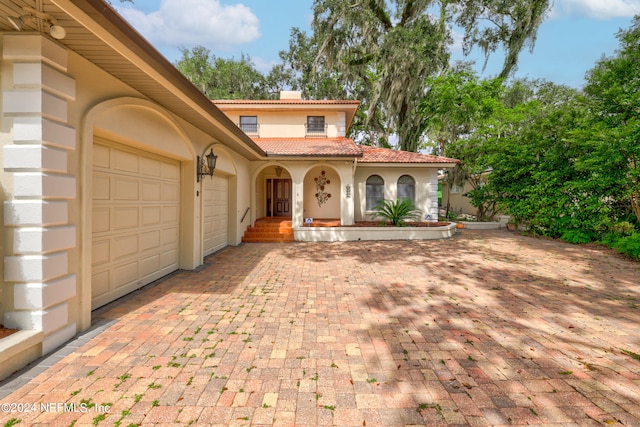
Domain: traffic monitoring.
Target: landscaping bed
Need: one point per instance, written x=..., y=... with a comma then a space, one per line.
x=5, y=332
x=389, y=224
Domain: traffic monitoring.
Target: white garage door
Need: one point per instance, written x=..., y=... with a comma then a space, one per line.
x=136, y=198
x=215, y=193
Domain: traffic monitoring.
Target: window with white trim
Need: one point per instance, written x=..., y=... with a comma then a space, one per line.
x=375, y=191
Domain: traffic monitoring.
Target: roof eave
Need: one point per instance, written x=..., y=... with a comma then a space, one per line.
x=99, y=18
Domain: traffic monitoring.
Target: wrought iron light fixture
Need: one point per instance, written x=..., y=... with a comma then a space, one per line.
x=206, y=167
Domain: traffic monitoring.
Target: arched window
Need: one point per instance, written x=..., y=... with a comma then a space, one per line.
x=375, y=191
x=406, y=188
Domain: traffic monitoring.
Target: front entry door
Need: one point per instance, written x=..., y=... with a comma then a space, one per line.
x=282, y=199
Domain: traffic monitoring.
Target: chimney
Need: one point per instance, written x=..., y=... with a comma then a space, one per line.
x=290, y=94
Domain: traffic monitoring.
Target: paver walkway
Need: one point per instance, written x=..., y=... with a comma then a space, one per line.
x=488, y=328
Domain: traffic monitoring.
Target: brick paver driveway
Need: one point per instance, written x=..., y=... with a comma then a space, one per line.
x=488, y=328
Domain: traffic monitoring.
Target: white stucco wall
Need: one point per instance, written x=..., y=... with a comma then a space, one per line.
x=426, y=179
x=53, y=104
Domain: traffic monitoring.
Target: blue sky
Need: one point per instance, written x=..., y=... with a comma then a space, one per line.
x=576, y=34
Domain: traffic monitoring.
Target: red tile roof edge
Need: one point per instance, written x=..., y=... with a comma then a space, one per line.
x=284, y=101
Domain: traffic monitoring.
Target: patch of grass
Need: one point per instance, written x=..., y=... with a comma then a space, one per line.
x=566, y=372
x=371, y=380
x=12, y=422
x=155, y=403
x=329, y=407
x=187, y=339
x=153, y=385
x=97, y=419
x=137, y=398
x=424, y=406
x=635, y=356
x=155, y=368
x=91, y=372
x=75, y=393
x=122, y=379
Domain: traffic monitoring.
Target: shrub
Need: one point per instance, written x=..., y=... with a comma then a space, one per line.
x=577, y=237
x=397, y=212
x=629, y=245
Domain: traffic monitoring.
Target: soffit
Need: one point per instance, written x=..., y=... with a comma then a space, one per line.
x=96, y=32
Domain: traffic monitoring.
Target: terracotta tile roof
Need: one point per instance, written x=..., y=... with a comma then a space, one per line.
x=285, y=101
x=331, y=147
x=387, y=155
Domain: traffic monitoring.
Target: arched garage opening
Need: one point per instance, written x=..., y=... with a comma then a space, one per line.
x=138, y=200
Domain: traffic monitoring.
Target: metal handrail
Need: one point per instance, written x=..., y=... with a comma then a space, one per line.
x=251, y=129
x=245, y=214
x=316, y=130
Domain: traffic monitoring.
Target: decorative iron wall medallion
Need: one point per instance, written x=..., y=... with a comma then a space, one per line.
x=321, y=183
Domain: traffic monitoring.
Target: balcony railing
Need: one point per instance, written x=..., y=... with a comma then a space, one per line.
x=315, y=130
x=251, y=129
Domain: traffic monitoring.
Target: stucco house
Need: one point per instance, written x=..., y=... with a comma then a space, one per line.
x=103, y=185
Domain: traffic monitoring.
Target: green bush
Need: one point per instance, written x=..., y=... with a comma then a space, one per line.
x=629, y=245
x=397, y=212
x=576, y=237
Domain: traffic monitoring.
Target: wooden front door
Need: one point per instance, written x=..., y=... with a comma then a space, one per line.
x=282, y=197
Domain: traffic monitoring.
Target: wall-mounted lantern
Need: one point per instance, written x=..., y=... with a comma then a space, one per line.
x=206, y=167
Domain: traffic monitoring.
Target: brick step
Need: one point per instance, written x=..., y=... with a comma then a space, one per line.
x=276, y=231
x=281, y=239
x=269, y=235
x=269, y=229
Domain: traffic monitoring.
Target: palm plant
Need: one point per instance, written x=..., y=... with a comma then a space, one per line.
x=397, y=211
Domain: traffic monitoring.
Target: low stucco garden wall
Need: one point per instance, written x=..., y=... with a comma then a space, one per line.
x=348, y=234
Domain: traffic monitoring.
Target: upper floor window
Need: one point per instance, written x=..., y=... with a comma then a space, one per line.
x=316, y=126
x=406, y=188
x=249, y=124
x=375, y=191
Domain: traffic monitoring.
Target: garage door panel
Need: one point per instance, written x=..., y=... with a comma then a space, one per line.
x=124, y=161
x=100, y=283
x=170, y=214
x=151, y=191
x=215, y=213
x=125, y=218
x=150, y=240
x=170, y=192
x=100, y=253
x=101, y=187
x=125, y=189
x=100, y=220
x=150, y=265
x=171, y=171
x=168, y=259
x=101, y=156
x=125, y=274
x=136, y=219
x=124, y=247
x=169, y=235
x=151, y=216
x=150, y=167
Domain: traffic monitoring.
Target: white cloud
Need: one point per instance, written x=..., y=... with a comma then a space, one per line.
x=188, y=23
x=598, y=9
